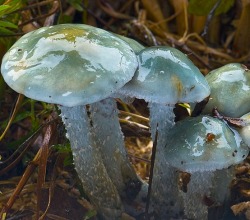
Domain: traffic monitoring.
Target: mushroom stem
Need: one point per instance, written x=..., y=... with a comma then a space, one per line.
x=208, y=188
x=165, y=199
x=110, y=141
x=221, y=191
x=161, y=118
x=89, y=165
x=197, y=191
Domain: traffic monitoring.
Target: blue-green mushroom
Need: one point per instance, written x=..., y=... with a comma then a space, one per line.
x=208, y=149
x=72, y=66
x=136, y=46
x=165, y=76
x=230, y=90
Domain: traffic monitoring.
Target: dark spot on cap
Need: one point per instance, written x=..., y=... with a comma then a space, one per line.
x=192, y=87
x=19, y=50
x=234, y=153
x=210, y=137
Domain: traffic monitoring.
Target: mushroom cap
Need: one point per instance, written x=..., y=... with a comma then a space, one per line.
x=245, y=131
x=230, y=90
x=204, y=143
x=136, y=46
x=166, y=75
x=68, y=64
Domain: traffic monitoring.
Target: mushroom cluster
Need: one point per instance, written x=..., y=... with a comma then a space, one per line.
x=72, y=66
x=82, y=68
x=165, y=76
x=233, y=79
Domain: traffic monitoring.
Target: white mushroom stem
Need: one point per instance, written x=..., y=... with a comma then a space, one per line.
x=110, y=141
x=198, y=189
x=221, y=185
x=165, y=193
x=88, y=163
x=204, y=186
x=221, y=192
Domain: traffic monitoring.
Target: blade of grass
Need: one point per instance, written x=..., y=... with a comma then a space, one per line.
x=17, y=106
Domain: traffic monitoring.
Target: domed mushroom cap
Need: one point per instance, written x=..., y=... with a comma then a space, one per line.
x=230, y=90
x=68, y=64
x=136, y=46
x=204, y=143
x=166, y=75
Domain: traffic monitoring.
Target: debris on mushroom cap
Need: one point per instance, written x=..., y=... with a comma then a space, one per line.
x=230, y=90
x=166, y=75
x=204, y=143
x=68, y=64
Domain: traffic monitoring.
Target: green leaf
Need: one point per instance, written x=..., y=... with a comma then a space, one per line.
x=76, y=4
x=4, y=30
x=203, y=7
x=11, y=6
x=90, y=214
x=4, y=7
x=8, y=24
x=65, y=149
x=2, y=87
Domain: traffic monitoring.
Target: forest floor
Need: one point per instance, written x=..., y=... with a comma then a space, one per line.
x=210, y=40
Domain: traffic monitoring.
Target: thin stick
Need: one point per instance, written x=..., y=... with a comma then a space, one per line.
x=134, y=115
x=13, y=115
x=209, y=17
x=151, y=173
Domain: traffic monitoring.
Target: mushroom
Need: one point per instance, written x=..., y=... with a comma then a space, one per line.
x=230, y=86
x=244, y=131
x=242, y=125
x=205, y=147
x=165, y=76
x=72, y=66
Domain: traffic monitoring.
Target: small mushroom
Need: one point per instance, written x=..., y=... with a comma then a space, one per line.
x=165, y=76
x=230, y=90
x=72, y=66
x=244, y=131
x=242, y=125
x=205, y=147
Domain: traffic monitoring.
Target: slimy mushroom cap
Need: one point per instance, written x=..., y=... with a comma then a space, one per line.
x=68, y=64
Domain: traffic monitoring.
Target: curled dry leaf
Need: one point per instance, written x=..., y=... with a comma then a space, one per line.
x=243, y=207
